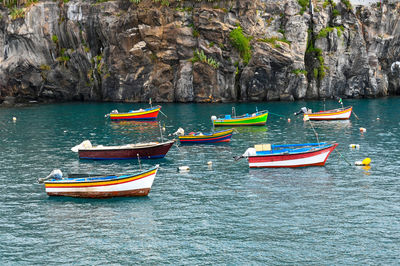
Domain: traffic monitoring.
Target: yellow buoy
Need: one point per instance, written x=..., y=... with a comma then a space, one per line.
x=14, y=119
x=366, y=161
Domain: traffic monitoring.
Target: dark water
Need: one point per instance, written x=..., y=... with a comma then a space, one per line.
x=337, y=214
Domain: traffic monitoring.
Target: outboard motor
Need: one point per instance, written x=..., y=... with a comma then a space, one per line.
x=247, y=153
x=56, y=174
x=115, y=111
x=303, y=110
x=180, y=132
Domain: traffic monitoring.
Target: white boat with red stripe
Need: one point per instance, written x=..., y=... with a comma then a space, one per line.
x=288, y=155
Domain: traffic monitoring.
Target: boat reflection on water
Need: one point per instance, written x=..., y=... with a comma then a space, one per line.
x=316, y=177
x=134, y=123
x=334, y=124
x=137, y=126
x=251, y=129
x=250, y=133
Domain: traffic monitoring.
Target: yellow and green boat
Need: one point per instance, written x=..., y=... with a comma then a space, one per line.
x=259, y=118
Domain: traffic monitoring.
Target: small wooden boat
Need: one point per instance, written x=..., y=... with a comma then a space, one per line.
x=258, y=118
x=202, y=138
x=127, y=185
x=288, y=155
x=334, y=114
x=149, y=150
x=148, y=114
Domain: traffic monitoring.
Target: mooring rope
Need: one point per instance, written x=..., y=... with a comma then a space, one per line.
x=276, y=114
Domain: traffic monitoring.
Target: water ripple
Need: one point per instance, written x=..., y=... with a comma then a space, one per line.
x=226, y=214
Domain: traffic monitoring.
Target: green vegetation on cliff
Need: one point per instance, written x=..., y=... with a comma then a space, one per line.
x=242, y=43
x=303, y=4
x=273, y=41
x=201, y=57
x=324, y=32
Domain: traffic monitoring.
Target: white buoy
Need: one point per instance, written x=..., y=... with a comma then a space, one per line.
x=378, y=118
x=213, y=117
x=14, y=119
x=354, y=146
x=183, y=169
x=288, y=120
x=363, y=129
x=209, y=163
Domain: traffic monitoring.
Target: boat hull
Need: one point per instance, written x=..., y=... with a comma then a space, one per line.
x=311, y=158
x=258, y=120
x=217, y=137
x=145, y=115
x=157, y=151
x=338, y=114
x=103, y=194
x=122, y=186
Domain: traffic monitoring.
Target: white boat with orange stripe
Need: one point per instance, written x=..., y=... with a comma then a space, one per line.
x=126, y=185
x=335, y=114
x=342, y=113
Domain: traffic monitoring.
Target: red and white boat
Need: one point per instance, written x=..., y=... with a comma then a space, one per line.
x=288, y=155
x=126, y=185
x=334, y=114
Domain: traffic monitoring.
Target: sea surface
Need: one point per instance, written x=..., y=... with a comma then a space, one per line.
x=338, y=214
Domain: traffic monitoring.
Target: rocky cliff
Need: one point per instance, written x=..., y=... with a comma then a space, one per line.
x=198, y=51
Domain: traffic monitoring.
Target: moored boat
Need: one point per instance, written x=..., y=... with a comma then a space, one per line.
x=149, y=150
x=334, y=114
x=126, y=185
x=148, y=114
x=288, y=155
x=207, y=138
x=259, y=118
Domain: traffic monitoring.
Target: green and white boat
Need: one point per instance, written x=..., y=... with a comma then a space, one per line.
x=259, y=118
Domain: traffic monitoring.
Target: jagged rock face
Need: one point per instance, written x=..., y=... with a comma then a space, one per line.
x=122, y=51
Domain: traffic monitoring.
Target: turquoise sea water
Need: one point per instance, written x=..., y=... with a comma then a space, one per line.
x=230, y=214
